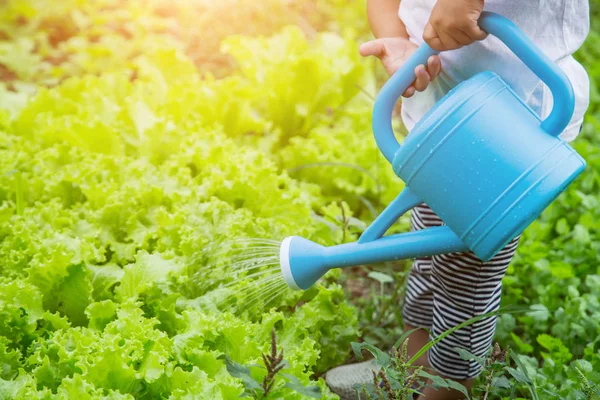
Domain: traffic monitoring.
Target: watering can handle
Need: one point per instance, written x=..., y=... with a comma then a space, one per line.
x=517, y=42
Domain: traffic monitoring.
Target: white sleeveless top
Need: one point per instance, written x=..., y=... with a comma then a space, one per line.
x=558, y=27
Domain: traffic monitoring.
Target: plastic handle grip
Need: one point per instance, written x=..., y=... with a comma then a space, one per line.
x=539, y=64
x=389, y=95
x=517, y=42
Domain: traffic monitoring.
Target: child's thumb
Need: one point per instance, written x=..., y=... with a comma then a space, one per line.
x=372, y=48
x=431, y=37
x=477, y=33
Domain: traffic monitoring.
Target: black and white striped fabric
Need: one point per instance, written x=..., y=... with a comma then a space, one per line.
x=445, y=290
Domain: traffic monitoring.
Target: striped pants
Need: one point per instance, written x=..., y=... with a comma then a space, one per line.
x=445, y=290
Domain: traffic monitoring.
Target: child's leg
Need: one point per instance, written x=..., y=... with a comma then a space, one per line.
x=418, y=305
x=416, y=341
x=464, y=287
x=418, y=308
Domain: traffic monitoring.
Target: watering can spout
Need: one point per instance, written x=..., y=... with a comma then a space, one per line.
x=304, y=262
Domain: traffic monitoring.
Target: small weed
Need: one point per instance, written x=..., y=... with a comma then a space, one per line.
x=275, y=382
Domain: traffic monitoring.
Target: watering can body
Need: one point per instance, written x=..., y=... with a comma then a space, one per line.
x=482, y=161
x=480, y=158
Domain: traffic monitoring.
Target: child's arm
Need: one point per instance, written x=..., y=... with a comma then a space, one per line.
x=383, y=18
x=392, y=45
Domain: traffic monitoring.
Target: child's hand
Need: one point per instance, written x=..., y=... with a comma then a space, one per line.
x=453, y=24
x=393, y=52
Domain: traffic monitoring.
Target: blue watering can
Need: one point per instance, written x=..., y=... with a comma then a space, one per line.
x=480, y=158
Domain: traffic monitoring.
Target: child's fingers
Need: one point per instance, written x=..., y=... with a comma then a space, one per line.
x=409, y=92
x=431, y=37
x=422, y=78
x=372, y=48
x=477, y=33
x=460, y=37
x=434, y=66
x=448, y=42
x=442, y=39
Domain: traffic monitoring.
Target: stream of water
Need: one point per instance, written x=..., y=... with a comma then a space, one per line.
x=254, y=276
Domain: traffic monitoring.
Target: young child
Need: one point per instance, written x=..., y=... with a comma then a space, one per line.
x=445, y=290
